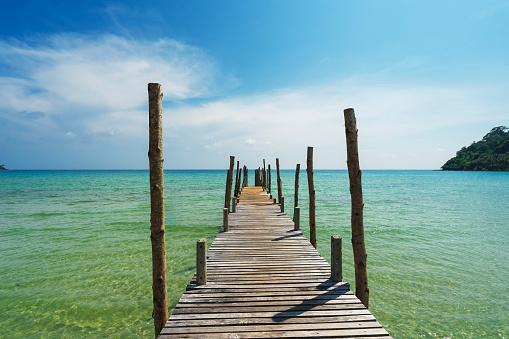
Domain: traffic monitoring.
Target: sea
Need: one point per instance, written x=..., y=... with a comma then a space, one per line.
x=75, y=251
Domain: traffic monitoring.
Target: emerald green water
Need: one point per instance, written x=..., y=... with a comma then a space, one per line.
x=75, y=255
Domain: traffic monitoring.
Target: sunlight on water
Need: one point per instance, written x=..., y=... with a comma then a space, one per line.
x=75, y=257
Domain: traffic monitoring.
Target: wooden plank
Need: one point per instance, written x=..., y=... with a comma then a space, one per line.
x=270, y=314
x=275, y=327
x=270, y=320
x=346, y=333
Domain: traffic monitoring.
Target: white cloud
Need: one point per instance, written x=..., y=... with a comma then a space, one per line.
x=99, y=83
x=400, y=126
x=97, y=87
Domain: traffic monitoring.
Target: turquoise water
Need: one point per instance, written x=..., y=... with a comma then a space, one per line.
x=75, y=255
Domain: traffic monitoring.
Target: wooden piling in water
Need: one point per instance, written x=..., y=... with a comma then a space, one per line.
x=155, y=155
x=239, y=186
x=268, y=186
x=296, y=194
x=264, y=178
x=354, y=173
x=201, y=262
x=279, y=188
x=237, y=178
x=229, y=181
x=312, y=204
x=244, y=179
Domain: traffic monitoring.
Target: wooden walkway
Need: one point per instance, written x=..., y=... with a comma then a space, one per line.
x=265, y=280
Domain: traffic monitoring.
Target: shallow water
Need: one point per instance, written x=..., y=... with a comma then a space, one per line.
x=75, y=257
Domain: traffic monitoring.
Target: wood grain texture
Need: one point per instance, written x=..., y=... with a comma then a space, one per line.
x=265, y=280
x=157, y=238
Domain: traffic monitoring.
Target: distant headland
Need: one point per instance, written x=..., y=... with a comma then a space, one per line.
x=2, y=168
x=489, y=154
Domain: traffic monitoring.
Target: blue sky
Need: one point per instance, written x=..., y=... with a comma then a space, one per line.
x=255, y=79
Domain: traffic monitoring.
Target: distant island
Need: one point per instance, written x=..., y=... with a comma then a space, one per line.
x=2, y=168
x=489, y=154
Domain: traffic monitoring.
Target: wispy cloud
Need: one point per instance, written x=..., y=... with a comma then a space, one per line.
x=75, y=88
x=98, y=83
x=393, y=121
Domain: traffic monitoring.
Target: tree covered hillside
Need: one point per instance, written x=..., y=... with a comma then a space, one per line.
x=489, y=154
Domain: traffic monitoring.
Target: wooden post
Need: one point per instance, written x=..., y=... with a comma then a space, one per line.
x=234, y=204
x=268, y=186
x=229, y=181
x=155, y=155
x=354, y=173
x=296, y=198
x=264, y=179
x=225, y=219
x=235, y=189
x=246, y=179
x=279, y=188
x=296, y=218
x=226, y=189
x=244, y=176
x=201, y=262
x=336, y=259
x=296, y=195
x=312, y=206
x=239, y=186
x=282, y=204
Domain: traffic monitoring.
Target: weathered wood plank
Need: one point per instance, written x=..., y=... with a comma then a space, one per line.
x=271, y=314
x=346, y=333
x=270, y=320
x=275, y=327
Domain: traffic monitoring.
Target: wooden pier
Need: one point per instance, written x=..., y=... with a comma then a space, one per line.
x=265, y=280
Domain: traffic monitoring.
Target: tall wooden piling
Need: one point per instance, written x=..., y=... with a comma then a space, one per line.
x=229, y=181
x=354, y=173
x=312, y=205
x=235, y=189
x=238, y=183
x=155, y=155
x=296, y=194
x=279, y=188
x=245, y=181
x=264, y=177
x=226, y=188
x=268, y=186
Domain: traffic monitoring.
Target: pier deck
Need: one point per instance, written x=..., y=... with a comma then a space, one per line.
x=265, y=280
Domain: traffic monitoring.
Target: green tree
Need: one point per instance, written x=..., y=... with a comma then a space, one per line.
x=489, y=154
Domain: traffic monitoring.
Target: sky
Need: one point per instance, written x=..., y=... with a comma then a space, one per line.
x=254, y=79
